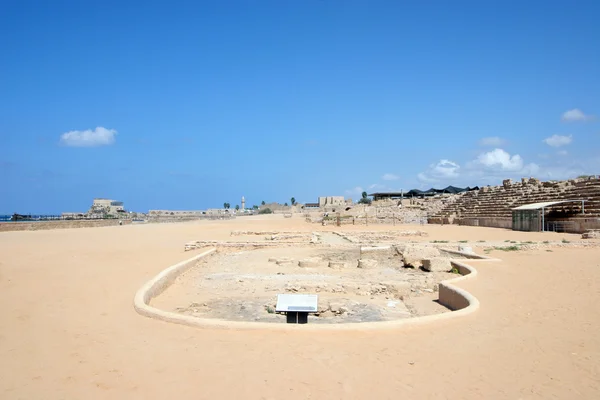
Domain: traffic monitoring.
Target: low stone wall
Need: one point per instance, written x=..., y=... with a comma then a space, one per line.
x=44, y=225
x=579, y=225
x=453, y=297
x=369, y=221
x=505, y=223
x=570, y=225
x=160, y=282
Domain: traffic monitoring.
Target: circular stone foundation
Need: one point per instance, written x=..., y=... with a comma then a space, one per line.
x=243, y=286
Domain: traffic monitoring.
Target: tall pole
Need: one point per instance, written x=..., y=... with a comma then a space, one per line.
x=543, y=228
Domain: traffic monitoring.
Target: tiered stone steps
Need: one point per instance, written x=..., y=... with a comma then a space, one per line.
x=498, y=201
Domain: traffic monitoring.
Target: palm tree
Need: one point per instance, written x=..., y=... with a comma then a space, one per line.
x=293, y=200
x=237, y=207
x=263, y=203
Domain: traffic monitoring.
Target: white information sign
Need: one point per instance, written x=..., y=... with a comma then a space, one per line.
x=296, y=303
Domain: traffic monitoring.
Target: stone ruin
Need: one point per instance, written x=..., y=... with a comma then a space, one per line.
x=591, y=234
x=359, y=276
x=492, y=205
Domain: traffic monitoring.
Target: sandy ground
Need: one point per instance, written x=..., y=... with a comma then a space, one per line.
x=68, y=329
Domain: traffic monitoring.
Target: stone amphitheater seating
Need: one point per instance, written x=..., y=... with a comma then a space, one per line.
x=492, y=206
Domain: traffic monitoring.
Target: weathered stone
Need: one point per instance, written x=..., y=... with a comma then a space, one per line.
x=438, y=264
x=322, y=307
x=414, y=255
x=312, y=262
x=591, y=234
x=337, y=264
x=337, y=307
x=284, y=261
x=465, y=249
x=397, y=289
x=367, y=264
x=373, y=252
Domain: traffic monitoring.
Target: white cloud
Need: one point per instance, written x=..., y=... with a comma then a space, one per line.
x=89, y=138
x=443, y=169
x=499, y=158
x=576, y=115
x=562, y=153
x=487, y=167
x=356, y=190
x=558, y=140
x=446, y=169
x=390, y=177
x=491, y=141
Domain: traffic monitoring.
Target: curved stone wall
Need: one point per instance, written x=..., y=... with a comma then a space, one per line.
x=456, y=299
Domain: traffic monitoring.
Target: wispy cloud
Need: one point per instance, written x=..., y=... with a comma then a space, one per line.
x=390, y=177
x=89, y=138
x=443, y=169
x=492, y=141
x=575, y=115
x=490, y=165
x=558, y=140
x=356, y=190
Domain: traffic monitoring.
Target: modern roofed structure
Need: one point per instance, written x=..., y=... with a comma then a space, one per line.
x=532, y=217
x=420, y=193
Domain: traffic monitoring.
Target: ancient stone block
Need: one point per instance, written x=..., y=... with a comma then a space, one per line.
x=284, y=261
x=591, y=234
x=337, y=264
x=367, y=264
x=437, y=264
x=413, y=255
x=312, y=262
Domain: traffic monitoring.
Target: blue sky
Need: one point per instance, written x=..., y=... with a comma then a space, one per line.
x=186, y=105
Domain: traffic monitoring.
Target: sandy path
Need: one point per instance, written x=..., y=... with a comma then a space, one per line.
x=68, y=328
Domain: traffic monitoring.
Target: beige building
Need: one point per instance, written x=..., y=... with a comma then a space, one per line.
x=106, y=206
x=332, y=201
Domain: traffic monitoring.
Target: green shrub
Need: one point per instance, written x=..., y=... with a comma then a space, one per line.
x=266, y=211
x=508, y=248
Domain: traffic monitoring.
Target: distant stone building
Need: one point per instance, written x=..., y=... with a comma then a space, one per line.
x=178, y=213
x=106, y=207
x=332, y=201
